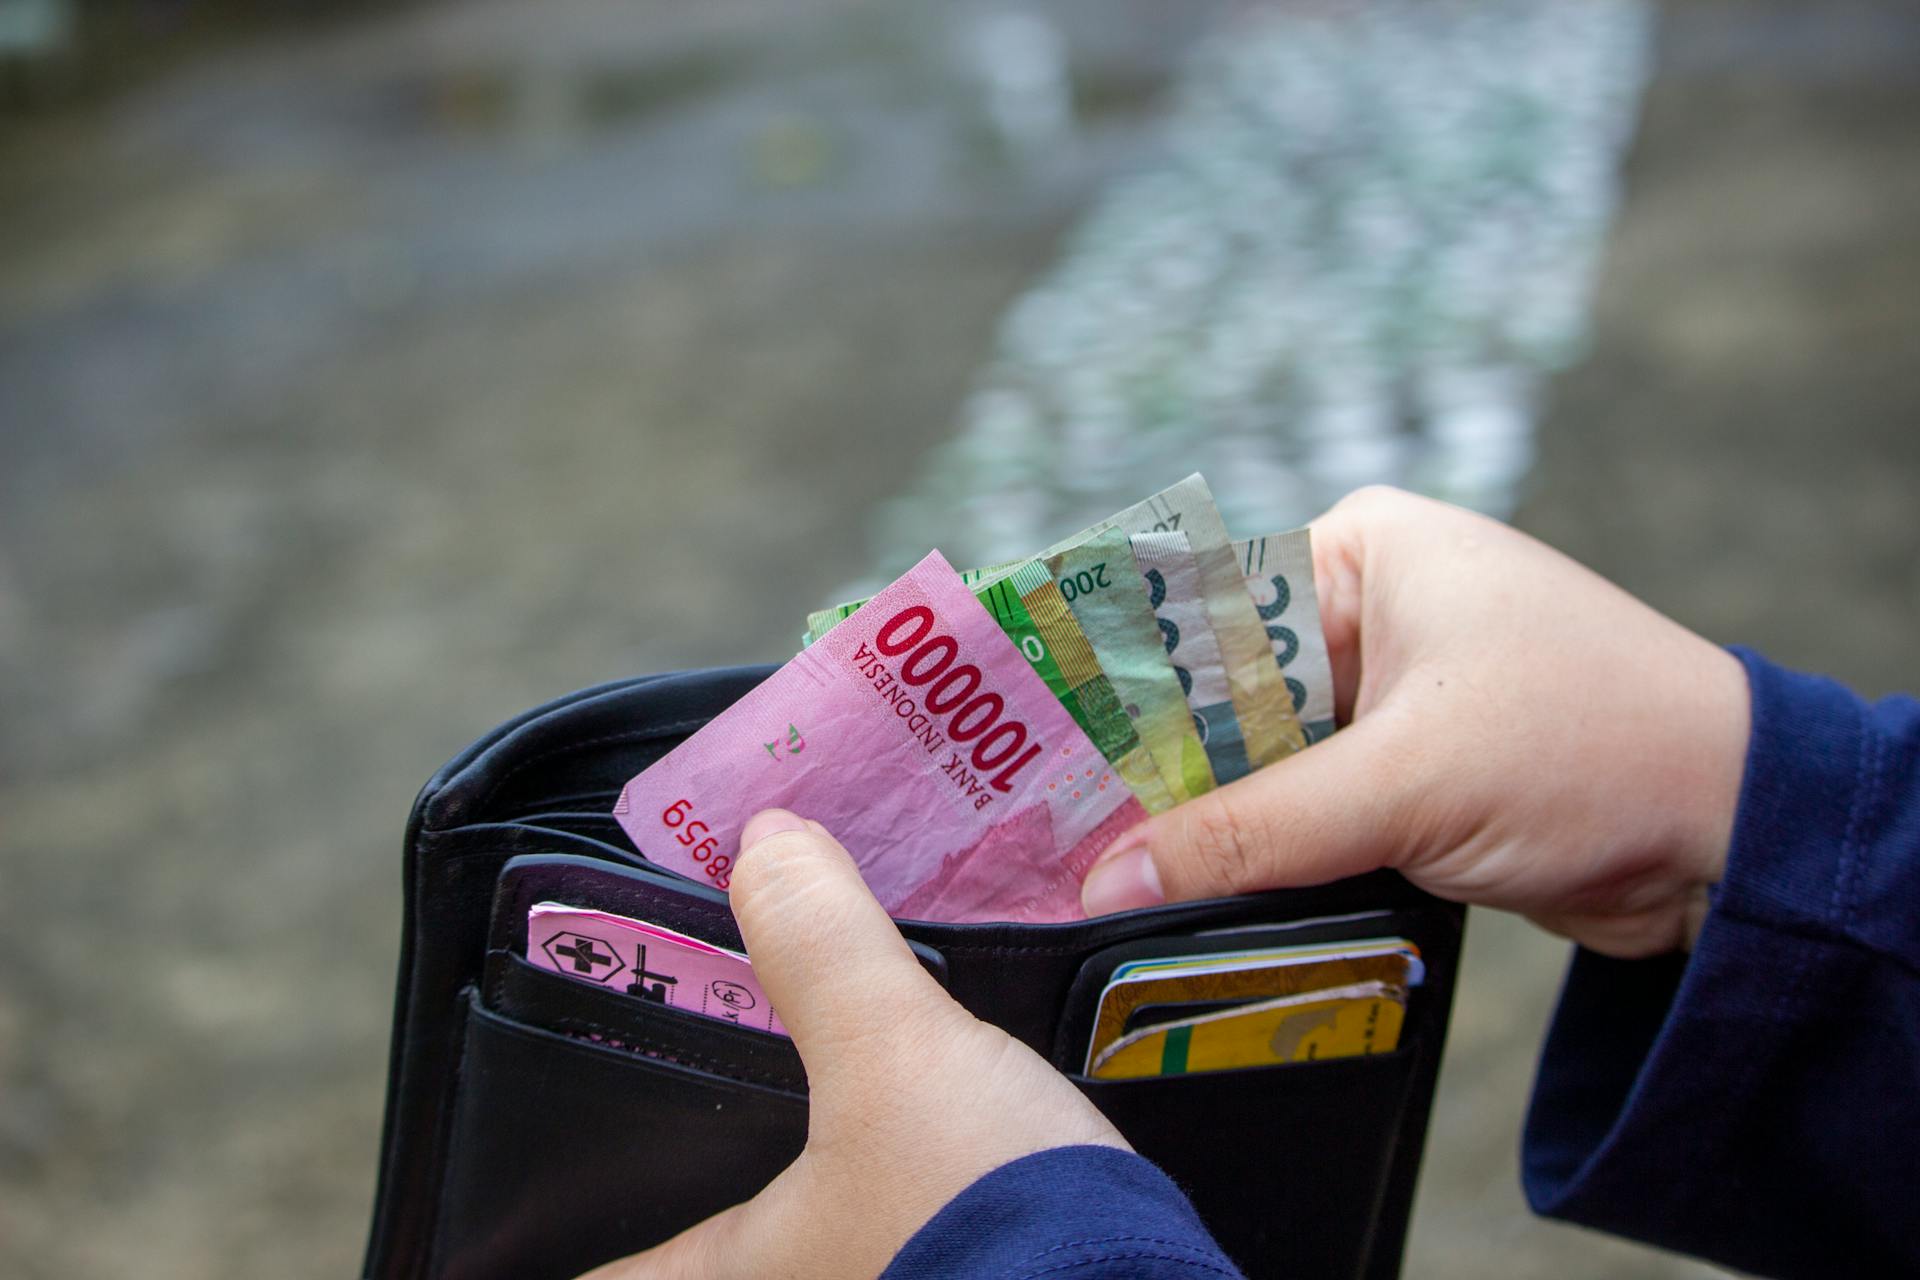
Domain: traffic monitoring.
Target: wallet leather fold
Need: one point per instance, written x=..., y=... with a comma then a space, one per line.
x=536, y=1127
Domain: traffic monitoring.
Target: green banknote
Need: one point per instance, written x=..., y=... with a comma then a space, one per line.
x=1261, y=703
x=1100, y=581
x=1064, y=644
x=821, y=621
x=1031, y=611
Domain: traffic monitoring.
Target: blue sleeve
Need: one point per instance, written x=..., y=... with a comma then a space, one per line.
x=1758, y=1103
x=1072, y=1212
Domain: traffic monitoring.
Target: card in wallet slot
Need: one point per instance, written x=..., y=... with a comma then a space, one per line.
x=1117, y=990
x=648, y=962
x=537, y=997
x=1311, y=1026
x=1204, y=985
x=638, y=901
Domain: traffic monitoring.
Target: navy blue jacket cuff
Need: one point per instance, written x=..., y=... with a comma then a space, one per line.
x=1071, y=1211
x=1755, y=1103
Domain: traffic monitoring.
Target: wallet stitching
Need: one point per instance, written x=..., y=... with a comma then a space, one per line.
x=1065, y=949
x=541, y=1035
x=576, y=1030
x=649, y=1047
x=1073, y=948
x=584, y=1028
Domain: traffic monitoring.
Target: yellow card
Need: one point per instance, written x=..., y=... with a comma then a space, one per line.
x=1289, y=975
x=1344, y=1022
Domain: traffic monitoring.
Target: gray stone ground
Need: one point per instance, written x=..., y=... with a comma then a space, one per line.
x=346, y=408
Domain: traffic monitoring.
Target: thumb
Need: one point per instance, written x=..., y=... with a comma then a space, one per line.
x=829, y=958
x=1337, y=810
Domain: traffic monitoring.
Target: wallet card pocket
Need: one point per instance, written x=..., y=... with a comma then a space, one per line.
x=1288, y=1164
x=564, y=1153
x=528, y=994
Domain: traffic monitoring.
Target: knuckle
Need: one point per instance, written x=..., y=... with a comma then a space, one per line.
x=787, y=870
x=1365, y=510
x=1377, y=493
x=1223, y=846
x=776, y=858
x=1375, y=500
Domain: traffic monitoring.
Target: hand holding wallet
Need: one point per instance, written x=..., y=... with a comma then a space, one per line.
x=538, y=1126
x=911, y=1098
x=979, y=741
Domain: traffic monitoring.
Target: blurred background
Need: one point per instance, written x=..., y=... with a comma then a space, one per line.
x=371, y=373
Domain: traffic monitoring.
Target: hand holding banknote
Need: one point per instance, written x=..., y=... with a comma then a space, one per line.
x=912, y=1098
x=1524, y=735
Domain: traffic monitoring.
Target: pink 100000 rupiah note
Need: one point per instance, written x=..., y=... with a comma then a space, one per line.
x=919, y=736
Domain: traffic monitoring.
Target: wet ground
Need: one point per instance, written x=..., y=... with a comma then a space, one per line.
x=347, y=406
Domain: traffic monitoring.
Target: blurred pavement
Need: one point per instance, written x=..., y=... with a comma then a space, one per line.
x=360, y=390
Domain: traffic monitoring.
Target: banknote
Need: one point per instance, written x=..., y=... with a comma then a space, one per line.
x=1066, y=645
x=649, y=962
x=1034, y=616
x=821, y=621
x=922, y=739
x=1279, y=573
x=1101, y=583
x=1267, y=722
x=1178, y=602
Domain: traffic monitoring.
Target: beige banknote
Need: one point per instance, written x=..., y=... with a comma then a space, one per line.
x=1279, y=575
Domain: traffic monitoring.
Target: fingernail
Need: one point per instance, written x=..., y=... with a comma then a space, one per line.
x=769, y=822
x=1124, y=880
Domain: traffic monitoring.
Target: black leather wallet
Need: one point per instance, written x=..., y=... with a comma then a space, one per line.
x=536, y=1127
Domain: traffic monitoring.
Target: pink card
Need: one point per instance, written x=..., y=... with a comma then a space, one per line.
x=648, y=962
